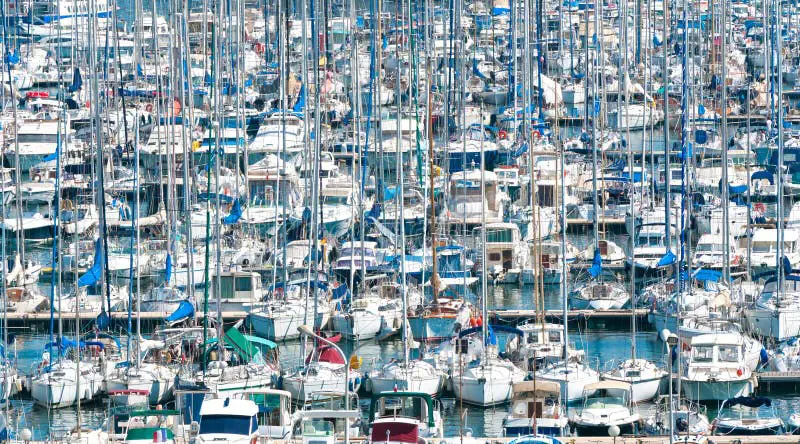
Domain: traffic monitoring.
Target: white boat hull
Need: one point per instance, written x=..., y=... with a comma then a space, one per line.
x=716, y=390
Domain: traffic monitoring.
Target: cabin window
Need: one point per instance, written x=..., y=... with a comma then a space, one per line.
x=498, y=236
x=762, y=247
x=228, y=424
x=494, y=256
x=318, y=427
x=554, y=336
x=244, y=283
x=703, y=354
x=789, y=157
x=226, y=287
x=533, y=338
x=728, y=353
x=37, y=138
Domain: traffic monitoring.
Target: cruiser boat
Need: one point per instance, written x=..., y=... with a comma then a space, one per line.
x=464, y=204
x=634, y=116
x=643, y=376
x=709, y=254
x=240, y=291
x=276, y=130
x=413, y=212
x=506, y=252
x=62, y=385
x=715, y=368
x=414, y=376
x=537, y=345
x=323, y=373
x=546, y=257
x=37, y=140
x=651, y=253
x=163, y=299
x=148, y=374
x=278, y=318
x=369, y=314
x=690, y=418
x=28, y=299
x=764, y=253
x=486, y=382
x=536, y=409
x=327, y=421
x=606, y=404
x=395, y=415
x=777, y=318
x=598, y=289
x=228, y=420
x=610, y=252
x=747, y=416
x=572, y=376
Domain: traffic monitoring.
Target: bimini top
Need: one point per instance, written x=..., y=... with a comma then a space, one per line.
x=606, y=385
x=718, y=339
x=534, y=388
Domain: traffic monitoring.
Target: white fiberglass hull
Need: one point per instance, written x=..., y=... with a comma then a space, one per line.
x=779, y=325
x=716, y=390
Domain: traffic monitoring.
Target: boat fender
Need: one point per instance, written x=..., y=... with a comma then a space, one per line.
x=764, y=356
x=665, y=332
x=367, y=383
x=37, y=178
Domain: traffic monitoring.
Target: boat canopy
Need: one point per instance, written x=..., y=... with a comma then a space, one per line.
x=426, y=397
x=606, y=385
x=537, y=388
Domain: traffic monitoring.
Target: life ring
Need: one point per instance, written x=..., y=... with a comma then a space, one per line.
x=502, y=134
x=536, y=134
x=149, y=108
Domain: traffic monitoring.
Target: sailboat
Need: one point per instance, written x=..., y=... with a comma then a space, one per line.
x=489, y=380
x=571, y=375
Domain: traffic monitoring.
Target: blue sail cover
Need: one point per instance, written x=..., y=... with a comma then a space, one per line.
x=300, y=104
x=168, y=269
x=476, y=71
x=236, y=214
x=92, y=276
x=597, y=262
x=184, y=310
x=667, y=259
x=763, y=174
x=103, y=320
x=77, y=81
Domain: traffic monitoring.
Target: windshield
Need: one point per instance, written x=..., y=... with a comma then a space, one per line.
x=604, y=401
x=334, y=200
x=37, y=138
x=318, y=427
x=709, y=248
x=762, y=247
x=229, y=424
x=728, y=353
x=703, y=354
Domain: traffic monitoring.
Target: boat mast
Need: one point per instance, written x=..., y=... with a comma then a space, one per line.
x=726, y=266
x=777, y=66
x=429, y=129
x=665, y=89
